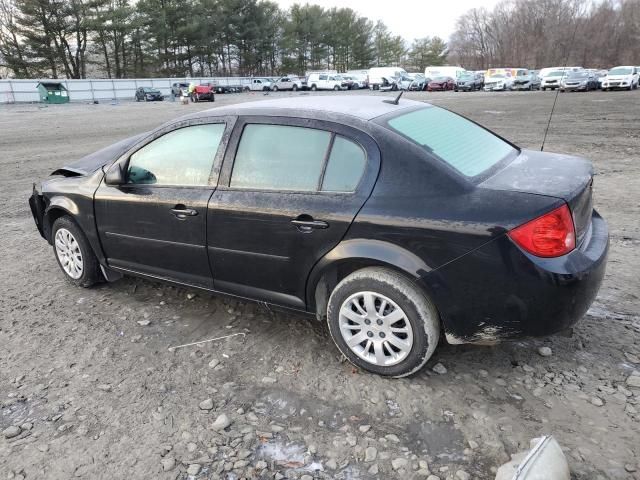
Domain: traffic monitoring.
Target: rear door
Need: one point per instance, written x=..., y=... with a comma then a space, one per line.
x=289, y=191
x=155, y=222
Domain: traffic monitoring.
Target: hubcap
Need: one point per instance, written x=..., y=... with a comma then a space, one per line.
x=375, y=328
x=68, y=252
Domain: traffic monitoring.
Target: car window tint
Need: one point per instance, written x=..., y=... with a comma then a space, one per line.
x=280, y=157
x=181, y=157
x=345, y=167
x=465, y=146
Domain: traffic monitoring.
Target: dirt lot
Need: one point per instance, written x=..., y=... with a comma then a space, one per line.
x=88, y=377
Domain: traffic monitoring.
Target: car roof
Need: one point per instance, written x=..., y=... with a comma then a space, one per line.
x=364, y=107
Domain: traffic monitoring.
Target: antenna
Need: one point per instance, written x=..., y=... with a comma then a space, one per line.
x=395, y=100
x=555, y=100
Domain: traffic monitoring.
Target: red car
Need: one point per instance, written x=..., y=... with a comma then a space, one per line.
x=441, y=83
x=204, y=91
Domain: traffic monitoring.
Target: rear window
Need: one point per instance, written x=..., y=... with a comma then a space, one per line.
x=460, y=143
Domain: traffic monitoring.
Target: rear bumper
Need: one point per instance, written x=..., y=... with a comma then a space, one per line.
x=500, y=292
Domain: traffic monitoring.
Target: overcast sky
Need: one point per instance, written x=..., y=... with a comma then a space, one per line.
x=409, y=18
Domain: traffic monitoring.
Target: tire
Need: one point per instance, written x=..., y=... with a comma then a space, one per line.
x=314, y=88
x=419, y=317
x=544, y=89
x=274, y=88
x=336, y=88
x=90, y=268
x=295, y=88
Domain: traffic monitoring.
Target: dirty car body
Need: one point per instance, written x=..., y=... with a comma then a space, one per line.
x=454, y=228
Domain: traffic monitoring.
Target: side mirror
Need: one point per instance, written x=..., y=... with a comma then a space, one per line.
x=114, y=175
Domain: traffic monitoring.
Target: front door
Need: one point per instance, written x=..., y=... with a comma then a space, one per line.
x=288, y=193
x=155, y=222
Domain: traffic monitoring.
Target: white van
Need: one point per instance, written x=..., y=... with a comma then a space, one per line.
x=443, y=71
x=326, y=81
x=385, y=76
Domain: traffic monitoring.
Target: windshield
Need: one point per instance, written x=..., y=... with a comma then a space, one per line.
x=556, y=73
x=498, y=75
x=620, y=71
x=440, y=79
x=460, y=143
x=578, y=75
x=149, y=90
x=466, y=76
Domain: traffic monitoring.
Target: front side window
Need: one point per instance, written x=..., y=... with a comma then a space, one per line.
x=181, y=157
x=323, y=77
x=465, y=146
x=281, y=157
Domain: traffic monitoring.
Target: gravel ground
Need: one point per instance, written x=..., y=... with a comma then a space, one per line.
x=90, y=389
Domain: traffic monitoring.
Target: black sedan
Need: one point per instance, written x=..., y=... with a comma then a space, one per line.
x=148, y=94
x=394, y=220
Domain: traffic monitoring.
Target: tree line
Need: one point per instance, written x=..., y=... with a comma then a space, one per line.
x=147, y=38
x=543, y=33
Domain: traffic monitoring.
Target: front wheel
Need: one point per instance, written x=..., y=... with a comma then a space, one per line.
x=74, y=254
x=313, y=88
x=295, y=88
x=336, y=88
x=382, y=322
x=274, y=88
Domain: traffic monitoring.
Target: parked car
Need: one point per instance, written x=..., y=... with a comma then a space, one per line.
x=441, y=83
x=580, y=80
x=259, y=85
x=553, y=79
x=498, y=82
x=624, y=77
x=385, y=77
x=204, y=91
x=419, y=82
x=180, y=89
x=326, y=81
x=458, y=230
x=526, y=80
x=289, y=82
x=148, y=94
x=469, y=81
x=601, y=75
x=361, y=77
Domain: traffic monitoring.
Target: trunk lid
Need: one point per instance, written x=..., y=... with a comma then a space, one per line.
x=554, y=175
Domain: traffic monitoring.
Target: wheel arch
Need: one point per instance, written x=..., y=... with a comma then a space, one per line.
x=58, y=207
x=352, y=255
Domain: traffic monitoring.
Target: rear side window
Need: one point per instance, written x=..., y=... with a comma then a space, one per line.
x=345, y=167
x=281, y=157
x=460, y=143
x=181, y=157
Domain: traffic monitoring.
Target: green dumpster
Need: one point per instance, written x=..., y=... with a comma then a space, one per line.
x=53, y=92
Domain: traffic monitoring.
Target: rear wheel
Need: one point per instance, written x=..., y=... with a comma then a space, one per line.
x=275, y=88
x=382, y=322
x=336, y=88
x=74, y=254
x=295, y=88
x=313, y=88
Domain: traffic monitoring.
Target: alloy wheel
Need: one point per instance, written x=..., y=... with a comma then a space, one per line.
x=375, y=328
x=69, y=254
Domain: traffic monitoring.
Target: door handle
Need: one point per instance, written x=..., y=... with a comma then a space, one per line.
x=183, y=212
x=306, y=224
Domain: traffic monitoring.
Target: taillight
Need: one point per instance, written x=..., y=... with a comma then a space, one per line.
x=550, y=235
